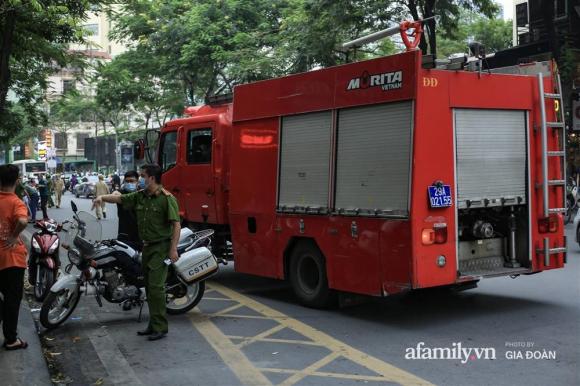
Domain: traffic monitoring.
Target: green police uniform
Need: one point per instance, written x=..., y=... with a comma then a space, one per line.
x=155, y=215
x=49, y=186
x=20, y=190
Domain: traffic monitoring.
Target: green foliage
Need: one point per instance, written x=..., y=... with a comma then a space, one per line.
x=495, y=34
x=312, y=30
x=35, y=38
x=16, y=117
x=206, y=44
x=133, y=82
x=449, y=16
x=569, y=63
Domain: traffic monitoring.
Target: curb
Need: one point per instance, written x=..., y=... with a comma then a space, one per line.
x=25, y=367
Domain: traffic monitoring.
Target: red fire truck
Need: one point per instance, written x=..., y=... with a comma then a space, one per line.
x=377, y=177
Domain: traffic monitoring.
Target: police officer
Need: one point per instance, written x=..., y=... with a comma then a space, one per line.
x=158, y=223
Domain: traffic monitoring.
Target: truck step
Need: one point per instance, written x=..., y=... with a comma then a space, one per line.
x=556, y=182
x=558, y=210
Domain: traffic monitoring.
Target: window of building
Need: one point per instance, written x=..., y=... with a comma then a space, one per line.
x=60, y=141
x=92, y=29
x=68, y=85
x=199, y=146
x=81, y=140
x=559, y=8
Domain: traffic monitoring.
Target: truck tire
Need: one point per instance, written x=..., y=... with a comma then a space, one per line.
x=308, y=277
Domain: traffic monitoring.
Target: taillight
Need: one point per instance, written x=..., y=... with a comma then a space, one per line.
x=440, y=232
x=435, y=235
x=428, y=236
x=549, y=224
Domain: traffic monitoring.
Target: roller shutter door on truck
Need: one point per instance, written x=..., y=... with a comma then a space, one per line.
x=373, y=159
x=305, y=161
x=491, y=156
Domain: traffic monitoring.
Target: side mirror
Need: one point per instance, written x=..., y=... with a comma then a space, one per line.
x=74, y=206
x=139, y=149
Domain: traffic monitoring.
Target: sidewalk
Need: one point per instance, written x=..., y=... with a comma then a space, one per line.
x=24, y=367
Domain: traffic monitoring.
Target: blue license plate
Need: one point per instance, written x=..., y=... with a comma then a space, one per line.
x=440, y=196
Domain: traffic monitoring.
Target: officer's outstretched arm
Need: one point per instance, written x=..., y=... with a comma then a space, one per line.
x=110, y=198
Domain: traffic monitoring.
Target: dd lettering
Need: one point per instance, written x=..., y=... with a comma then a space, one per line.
x=430, y=82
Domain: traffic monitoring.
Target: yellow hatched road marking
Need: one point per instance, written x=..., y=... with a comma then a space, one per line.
x=325, y=374
x=301, y=374
x=238, y=362
x=219, y=299
x=272, y=340
x=261, y=335
x=219, y=314
x=235, y=359
x=226, y=310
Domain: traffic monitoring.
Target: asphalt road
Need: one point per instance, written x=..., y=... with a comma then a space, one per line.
x=251, y=331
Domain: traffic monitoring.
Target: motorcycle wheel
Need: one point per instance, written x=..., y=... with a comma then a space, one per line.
x=180, y=305
x=58, y=306
x=42, y=287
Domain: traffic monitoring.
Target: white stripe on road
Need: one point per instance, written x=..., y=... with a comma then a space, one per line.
x=119, y=370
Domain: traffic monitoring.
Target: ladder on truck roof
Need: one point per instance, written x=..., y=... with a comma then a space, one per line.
x=561, y=153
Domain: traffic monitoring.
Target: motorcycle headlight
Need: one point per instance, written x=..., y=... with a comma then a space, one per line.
x=35, y=245
x=74, y=257
x=53, y=247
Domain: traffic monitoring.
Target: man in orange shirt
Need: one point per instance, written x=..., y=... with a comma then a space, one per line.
x=13, y=220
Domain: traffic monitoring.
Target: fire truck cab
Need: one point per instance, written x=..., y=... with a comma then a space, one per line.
x=377, y=177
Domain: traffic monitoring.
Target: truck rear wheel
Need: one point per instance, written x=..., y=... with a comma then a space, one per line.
x=308, y=277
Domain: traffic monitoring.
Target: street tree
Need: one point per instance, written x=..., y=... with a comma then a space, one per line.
x=495, y=33
x=313, y=30
x=133, y=83
x=448, y=13
x=34, y=40
x=206, y=45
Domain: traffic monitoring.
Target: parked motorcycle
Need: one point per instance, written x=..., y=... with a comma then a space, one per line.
x=44, y=262
x=571, y=200
x=111, y=269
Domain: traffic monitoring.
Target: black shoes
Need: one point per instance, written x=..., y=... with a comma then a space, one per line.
x=145, y=332
x=104, y=214
x=152, y=335
x=157, y=336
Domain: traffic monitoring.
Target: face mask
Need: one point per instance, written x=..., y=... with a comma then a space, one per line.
x=142, y=184
x=130, y=187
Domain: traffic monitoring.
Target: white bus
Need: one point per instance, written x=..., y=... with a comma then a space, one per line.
x=30, y=167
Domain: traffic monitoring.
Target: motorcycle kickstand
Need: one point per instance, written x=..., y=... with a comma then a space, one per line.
x=98, y=297
x=140, y=312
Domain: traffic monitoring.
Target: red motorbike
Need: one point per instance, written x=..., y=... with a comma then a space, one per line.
x=44, y=262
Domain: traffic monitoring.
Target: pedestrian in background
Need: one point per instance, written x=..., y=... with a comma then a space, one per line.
x=50, y=187
x=58, y=189
x=73, y=182
x=159, y=229
x=127, y=230
x=116, y=180
x=100, y=190
x=43, y=192
x=34, y=198
x=22, y=194
x=13, y=220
